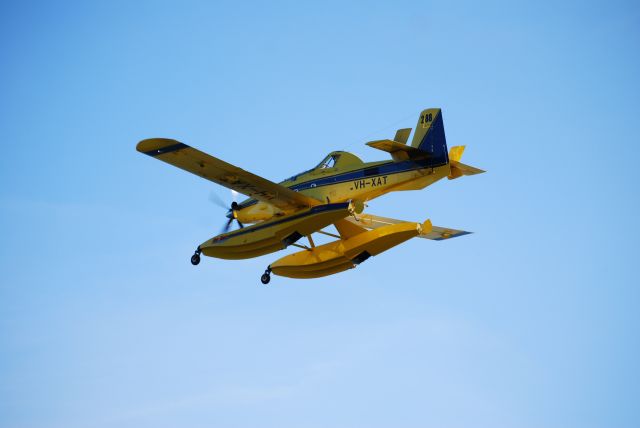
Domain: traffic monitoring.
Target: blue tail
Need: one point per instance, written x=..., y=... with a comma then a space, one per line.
x=429, y=137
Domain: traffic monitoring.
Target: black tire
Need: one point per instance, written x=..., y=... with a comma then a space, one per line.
x=195, y=259
x=265, y=278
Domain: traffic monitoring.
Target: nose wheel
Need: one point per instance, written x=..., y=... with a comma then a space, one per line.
x=266, y=276
x=195, y=259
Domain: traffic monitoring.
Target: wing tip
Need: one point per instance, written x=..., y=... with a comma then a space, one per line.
x=453, y=234
x=157, y=146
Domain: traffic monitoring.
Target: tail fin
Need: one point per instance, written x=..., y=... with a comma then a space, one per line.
x=429, y=136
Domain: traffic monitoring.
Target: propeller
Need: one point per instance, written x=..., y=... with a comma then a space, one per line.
x=231, y=211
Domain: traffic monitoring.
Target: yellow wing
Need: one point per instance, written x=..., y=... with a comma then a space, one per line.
x=220, y=172
x=435, y=233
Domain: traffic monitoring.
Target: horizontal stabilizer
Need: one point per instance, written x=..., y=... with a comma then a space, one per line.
x=458, y=169
x=399, y=151
x=435, y=233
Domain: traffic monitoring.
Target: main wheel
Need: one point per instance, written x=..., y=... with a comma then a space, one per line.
x=195, y=259
x=265, y=278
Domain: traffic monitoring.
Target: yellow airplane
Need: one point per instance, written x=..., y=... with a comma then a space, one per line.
x=334, y=192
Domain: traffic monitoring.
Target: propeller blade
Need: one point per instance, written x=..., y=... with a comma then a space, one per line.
x=234, y=195
x=240, y=224
x=214, y=198
x=226, y=227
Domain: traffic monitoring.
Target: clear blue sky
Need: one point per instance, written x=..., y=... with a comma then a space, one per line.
x=530, y=322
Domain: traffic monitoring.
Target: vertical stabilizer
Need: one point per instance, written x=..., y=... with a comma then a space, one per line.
x=429, y=136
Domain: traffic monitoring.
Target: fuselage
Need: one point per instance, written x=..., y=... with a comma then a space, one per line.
x=350, y=179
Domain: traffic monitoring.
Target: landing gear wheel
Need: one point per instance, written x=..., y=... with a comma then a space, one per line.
x=195, y=259
x=266, y=276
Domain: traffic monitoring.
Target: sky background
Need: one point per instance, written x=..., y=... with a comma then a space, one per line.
x=532, y=321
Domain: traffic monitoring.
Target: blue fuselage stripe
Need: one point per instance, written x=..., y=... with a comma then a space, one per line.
x=366, y=172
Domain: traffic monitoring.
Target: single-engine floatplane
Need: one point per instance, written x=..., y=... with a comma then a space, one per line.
x=333, y=193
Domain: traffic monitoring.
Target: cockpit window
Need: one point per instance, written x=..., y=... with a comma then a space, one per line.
x=328, y=162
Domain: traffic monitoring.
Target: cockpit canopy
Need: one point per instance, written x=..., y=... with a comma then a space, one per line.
x=338, y=160
x=342, y=160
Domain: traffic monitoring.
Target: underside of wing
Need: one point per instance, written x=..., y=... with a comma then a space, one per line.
x=437, y=233
x=220, y=172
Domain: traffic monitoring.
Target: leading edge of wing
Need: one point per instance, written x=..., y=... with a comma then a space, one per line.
x=225, y=174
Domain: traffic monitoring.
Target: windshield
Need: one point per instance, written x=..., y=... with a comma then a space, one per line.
x=328, y=162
